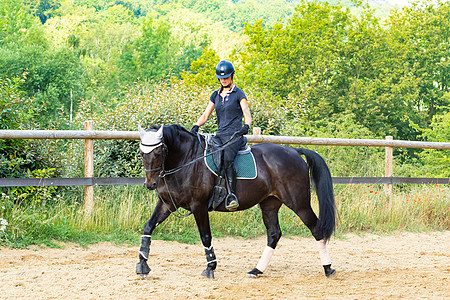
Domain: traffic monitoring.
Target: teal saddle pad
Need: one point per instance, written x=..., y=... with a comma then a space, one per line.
x=244, y=163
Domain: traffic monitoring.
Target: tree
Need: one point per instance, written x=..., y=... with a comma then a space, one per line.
x=44, y=9
x=420, y=37
x=18, y=25
x=202, y=70
x=15, y=109
x=19, y=158
x=436, y=162
x=147, y=58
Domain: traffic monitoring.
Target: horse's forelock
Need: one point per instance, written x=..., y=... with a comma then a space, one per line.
x=150, y=139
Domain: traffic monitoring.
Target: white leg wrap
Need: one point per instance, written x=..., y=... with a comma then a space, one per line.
x=265, y=258
x=323, y=252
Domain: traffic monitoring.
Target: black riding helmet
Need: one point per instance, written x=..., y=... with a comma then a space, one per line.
x=224, y=69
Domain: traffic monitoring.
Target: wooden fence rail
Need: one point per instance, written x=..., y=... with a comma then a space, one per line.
x=134, y=135
x=89, y=135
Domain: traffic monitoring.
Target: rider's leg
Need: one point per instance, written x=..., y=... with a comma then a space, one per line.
x=229, y=155
x=231, y=180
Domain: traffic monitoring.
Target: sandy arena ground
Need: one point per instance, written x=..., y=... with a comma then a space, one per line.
x=403, y=265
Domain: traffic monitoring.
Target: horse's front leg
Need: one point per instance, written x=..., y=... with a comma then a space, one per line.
x=202, y=219
x=160, y=213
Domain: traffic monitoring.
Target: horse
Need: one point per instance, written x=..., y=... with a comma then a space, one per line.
x=174, y=167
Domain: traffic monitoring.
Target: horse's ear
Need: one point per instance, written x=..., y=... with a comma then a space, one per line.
x=141, y=131
x=159, y=133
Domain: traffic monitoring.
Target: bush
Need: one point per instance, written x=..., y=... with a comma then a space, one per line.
x=437, y=161
x=24, y=158
x=168, y=102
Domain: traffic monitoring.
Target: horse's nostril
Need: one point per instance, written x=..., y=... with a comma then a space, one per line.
x=150, y=185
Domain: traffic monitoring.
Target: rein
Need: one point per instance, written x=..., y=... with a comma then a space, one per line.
x=163, y=172
x=174, y=170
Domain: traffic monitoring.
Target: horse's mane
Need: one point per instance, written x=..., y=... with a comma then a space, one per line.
x=180, y=128
x=175, y=126
x=176, y=134
x=173, y=130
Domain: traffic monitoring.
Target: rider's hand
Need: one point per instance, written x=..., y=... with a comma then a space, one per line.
x=194, y=129
x=243, y=130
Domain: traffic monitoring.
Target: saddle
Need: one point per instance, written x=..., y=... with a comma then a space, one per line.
x=244, y=165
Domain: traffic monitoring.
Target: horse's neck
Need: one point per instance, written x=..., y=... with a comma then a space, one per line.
x=182, y=150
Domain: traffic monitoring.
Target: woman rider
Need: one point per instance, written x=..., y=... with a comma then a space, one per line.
x=230, y=104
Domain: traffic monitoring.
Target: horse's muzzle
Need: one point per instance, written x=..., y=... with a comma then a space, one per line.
x=150, y=185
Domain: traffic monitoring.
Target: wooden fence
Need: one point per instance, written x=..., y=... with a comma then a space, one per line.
x=89, y=135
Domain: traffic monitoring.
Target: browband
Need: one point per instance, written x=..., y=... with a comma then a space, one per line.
x=152, y=145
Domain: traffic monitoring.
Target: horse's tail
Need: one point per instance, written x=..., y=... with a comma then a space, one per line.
x=324, y=188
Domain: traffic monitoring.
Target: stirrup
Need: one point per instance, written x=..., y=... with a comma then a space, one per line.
x=231, y=204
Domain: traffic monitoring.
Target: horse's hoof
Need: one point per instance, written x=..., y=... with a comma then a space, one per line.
x=331, y=274
x=208, y=273
x=254, y=273
x=142, y=269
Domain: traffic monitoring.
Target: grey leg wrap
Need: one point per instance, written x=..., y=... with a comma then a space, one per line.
x=142, y=268
x=211, y=263
x=144, y=251
x=211, y=258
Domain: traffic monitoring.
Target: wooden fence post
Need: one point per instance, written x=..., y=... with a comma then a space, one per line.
x=388, y=171
x=88, y=170
x=256, y=131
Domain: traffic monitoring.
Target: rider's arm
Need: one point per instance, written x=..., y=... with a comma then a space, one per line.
x=204, y=117
x=246, y=112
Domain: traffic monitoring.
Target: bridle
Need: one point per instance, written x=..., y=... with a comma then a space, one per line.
x=163, y=173
x=161, y=142
x=179, y=168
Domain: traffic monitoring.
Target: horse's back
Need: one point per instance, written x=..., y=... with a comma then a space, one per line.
x=279, y=157
x=281, y=166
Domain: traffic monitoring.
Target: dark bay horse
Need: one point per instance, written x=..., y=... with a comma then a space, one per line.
x=170, y=155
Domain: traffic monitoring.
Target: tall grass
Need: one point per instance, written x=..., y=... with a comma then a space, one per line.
x=120, y=213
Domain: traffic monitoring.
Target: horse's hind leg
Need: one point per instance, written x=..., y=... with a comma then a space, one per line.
x=309, y=218
x=159, y=215
x=269, y=209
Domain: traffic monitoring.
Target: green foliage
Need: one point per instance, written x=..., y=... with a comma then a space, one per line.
x=15, y=112
x=419, y=36
x=18, y=25
x=437, y=162
x=202, y=70
x=290, y=58
x=20, y=158
x=333, y=63
x=347, y=161
x=44, y=9
x=51, y=79
x=151, y=52
x=15, y=109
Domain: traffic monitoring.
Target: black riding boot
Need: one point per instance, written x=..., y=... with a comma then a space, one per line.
x=232, y=200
